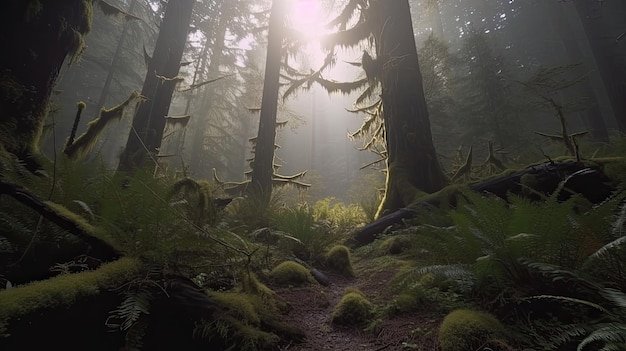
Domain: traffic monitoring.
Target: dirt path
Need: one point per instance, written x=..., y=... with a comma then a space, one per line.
x=312, y=308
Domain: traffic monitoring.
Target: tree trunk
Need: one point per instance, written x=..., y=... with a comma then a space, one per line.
x=575, y=178
x=603, y=23
x=38, y=36
x=412, y=164
x=263, y=164
x=199, y=157
x=147, y=131
x=592, y=118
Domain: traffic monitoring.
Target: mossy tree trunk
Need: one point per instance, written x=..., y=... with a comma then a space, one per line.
x=263, y=164
x=38, y=35
x=145, y=136
x=412, y=164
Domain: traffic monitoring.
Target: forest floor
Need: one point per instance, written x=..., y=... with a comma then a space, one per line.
x=312, y=308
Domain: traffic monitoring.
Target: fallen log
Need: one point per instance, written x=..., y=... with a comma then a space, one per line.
x=571, y=177
x=99, y=248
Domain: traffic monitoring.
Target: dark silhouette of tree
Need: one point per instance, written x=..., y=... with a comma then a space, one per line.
x=412, y=164
x=603, y=22
x=482, y=90
x=145, y=136
x=263, y=164
x=39, y=36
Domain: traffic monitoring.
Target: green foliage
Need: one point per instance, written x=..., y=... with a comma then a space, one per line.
x=463, y=330
x=195, y=201
x=341, y=218
x=299, y=222
x=365, y=192
x=353, y=309
x=338, y=259
x=290, y=273
x=241, y=325
x=252, y=211
x=64, y=290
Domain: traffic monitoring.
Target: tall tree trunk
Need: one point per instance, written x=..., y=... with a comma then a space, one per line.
x=104, y=93
x=263, y=166
x=199, y=157
x=37, y=36
x=603, y=22
x=147, y=131
x=592, y=118
x=412, y=164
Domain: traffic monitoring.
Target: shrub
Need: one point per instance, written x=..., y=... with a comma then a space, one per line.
x=463, y=330
x=290, y=273
x=353, y=309
x=338, y=259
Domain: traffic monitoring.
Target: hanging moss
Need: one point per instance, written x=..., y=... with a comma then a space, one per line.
x=463, y=330
x=72, y=30
x=63, y=290
x=86, y=141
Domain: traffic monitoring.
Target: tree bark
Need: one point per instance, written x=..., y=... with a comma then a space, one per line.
x=99, y=248
x=38, y=36
x=579, y=178
x=145, y=136
x=263, y=164
x=200, y=159
x=592, y=118
x=412, y=164
x=603, y=23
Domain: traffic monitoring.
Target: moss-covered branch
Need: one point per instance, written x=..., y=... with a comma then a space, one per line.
x=63, y=290
x=61, y=217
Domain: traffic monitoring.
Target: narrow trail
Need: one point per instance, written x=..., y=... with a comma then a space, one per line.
x=312, y=308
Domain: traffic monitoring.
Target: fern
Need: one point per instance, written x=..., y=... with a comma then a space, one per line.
x=132, y=307
x=611, y=335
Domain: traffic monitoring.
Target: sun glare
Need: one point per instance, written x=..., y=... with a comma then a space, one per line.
x=306, y=17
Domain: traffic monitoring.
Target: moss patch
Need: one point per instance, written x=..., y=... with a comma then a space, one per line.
x=463, y=330
x=338, y=259
x=291, y=273
x=64, y=290
x=353, y=309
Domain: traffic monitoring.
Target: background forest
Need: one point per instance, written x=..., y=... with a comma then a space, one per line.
x=272, y=175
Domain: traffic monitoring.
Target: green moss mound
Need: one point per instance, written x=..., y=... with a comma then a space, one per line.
x=290, y=273
x=353, y=309
x=395, y=245
x=64, y=290
x=338, y=259
x=463, y=330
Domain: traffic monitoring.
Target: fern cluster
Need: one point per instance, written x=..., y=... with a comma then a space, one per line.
x=548, y=256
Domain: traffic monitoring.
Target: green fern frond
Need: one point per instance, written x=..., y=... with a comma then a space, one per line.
x=566, y=333
x=616, y=297
x=606, y=249
x=611, y=335
x=132, y=307
x=460, y=273
x=568, y=300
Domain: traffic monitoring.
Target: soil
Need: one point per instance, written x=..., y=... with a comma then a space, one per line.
x=312, y=307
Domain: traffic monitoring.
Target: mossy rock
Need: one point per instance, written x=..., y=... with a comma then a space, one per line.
x=353, y=309
x=291, y=273
x=338, y=259
x=404, y=303
x=395, y=245
x=465, y=330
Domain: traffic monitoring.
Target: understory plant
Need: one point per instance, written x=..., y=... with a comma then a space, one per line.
x=529, y=261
